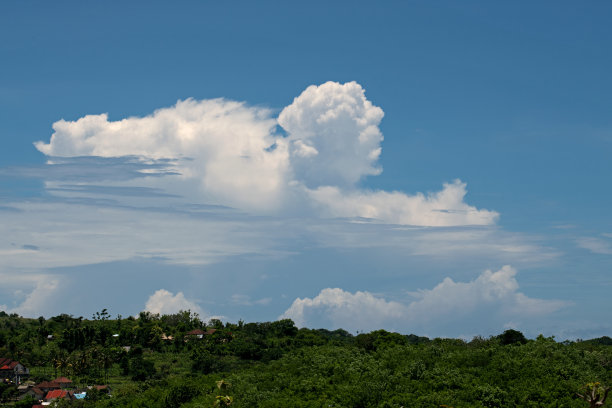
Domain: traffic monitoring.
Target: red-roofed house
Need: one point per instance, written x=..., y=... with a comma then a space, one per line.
x=13, y=370
x=55, y=394
x=195, y=334
x=199, y=334
x=48, y=386
x=63, y=382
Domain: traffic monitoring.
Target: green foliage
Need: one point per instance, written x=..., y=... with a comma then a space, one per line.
x=275, y=364
x=203, y=361
x=141, y=369
x=95, y=395
x=512, y=337
x=26, y=402
x=602, y=341
x=181, y=393
x=595, y=394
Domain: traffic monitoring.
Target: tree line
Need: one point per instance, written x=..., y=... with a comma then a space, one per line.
x=152, y=361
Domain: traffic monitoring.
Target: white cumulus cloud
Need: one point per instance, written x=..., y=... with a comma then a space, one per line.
x=492, y=291
x=230, y=153
x=227, y=141
x=491, y=301
x=36, y=302
x=165, y=302
x=334, y=135
x=360, y=310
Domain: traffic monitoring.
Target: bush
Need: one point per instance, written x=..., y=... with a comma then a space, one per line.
x=180, y=394
x=512, y=337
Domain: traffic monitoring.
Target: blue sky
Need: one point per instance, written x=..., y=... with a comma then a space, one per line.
x=439, y=168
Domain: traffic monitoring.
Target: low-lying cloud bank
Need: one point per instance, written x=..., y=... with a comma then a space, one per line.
x=490, y=301
x=233, y=154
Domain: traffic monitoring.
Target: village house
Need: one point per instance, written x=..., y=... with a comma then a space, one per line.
x=63, y=382
x=57, y=394
x=34, y=392
x=198, y=334
x=60, y=388
x=47, y=386
x=194, y=334
x=13, y=371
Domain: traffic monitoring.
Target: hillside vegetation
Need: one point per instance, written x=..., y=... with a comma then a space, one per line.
x=151, y=361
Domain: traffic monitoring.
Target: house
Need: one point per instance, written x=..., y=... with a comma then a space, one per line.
x=63, y=382
x=57, y=394
x=199, y=334
x=195, y=334
x=34, y=392
x=13, y=370
x=47, y=386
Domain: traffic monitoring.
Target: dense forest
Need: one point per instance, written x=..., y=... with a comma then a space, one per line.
x=180, y=361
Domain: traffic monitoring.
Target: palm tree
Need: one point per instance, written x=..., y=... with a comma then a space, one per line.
x=60, y=362
x=105, y=359
x=595, y=394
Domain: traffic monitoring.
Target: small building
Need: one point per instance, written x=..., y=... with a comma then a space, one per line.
x=35, y=393
x=47, y=386
x=199, y=334
x=57, y=394
x=195, y=334
x=103, y=388
x=13, y=371
x=63, y=382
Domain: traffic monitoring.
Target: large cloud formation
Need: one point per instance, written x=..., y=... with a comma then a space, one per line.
x=492, y=300
x=232, y=154
x=228, y=142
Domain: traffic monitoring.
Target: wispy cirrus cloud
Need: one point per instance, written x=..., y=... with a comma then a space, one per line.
x=94, y=169
x=596, y=245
